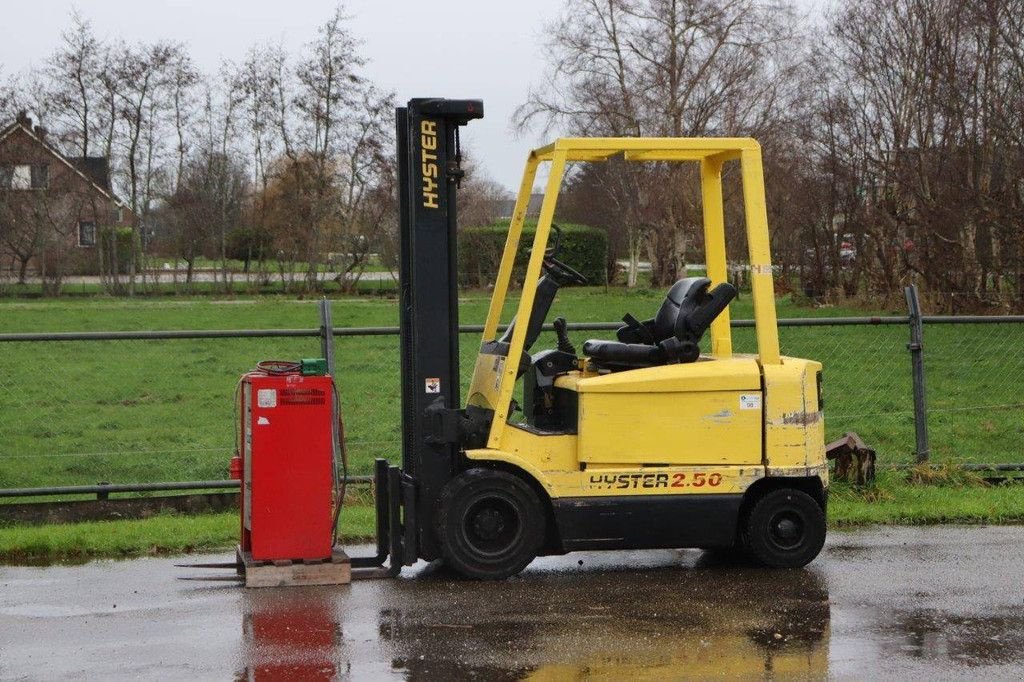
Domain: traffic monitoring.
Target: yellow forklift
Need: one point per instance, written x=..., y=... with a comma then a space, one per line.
x=638, y=442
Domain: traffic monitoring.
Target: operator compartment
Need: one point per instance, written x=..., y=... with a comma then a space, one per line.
x=704, y=412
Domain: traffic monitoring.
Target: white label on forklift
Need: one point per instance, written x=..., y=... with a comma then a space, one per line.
x=433, y=385
x=266, y=397
x=750, y=401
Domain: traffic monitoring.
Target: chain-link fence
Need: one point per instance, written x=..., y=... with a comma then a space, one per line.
x=141, y=407
x=974, y=373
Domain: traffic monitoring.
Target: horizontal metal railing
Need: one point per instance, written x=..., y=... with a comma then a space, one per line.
x=103, y=489
x=478, y=328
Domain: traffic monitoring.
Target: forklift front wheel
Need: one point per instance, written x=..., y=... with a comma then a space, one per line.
x=490, y=524
x=784, y=529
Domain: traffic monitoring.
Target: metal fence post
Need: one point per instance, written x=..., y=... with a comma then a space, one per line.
x=327, y=335
x=327, y=352
x=916, y=348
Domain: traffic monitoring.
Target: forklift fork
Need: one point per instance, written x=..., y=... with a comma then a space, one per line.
x=395, y=506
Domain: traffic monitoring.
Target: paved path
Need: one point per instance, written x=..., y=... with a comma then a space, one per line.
x=167, y=277
x=930, y=603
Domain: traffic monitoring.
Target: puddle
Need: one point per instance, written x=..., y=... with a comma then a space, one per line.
x=970, y=641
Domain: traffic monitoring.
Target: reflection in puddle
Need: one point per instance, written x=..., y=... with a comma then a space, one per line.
x=695, y=623
x=935, y=635
x=663, y=622
x=290, y=634
x=657, y=623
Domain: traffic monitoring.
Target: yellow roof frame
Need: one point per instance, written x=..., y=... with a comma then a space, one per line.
x=645, y=148
x=711, y=153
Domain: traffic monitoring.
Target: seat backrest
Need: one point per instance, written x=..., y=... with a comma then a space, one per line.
x=673, y=335
x=683, y=298
x=700, y=310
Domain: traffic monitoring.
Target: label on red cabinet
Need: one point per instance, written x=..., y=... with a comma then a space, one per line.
x=266, y=397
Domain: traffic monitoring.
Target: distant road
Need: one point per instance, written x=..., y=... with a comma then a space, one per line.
x=168, y=277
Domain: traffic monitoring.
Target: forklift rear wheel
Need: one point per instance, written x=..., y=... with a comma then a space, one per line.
x=785, y=529
x=490, y=524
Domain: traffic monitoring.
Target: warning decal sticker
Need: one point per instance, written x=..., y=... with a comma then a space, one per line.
x=750, y=401
x=433, y=385
x=266, y=397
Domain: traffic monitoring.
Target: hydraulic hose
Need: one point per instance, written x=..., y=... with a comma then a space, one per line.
x=339, y=451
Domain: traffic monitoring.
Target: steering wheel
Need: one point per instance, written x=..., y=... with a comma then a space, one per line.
x=562, y=272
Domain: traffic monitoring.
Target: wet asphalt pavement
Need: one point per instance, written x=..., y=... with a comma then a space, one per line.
x=940, y=603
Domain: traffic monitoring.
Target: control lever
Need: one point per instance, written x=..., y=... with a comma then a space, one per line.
x=564, y=344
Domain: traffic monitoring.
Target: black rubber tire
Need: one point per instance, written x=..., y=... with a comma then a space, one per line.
x=784, y=529
x=490, y=524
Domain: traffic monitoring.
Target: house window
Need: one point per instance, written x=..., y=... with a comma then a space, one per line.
x=40, y=177
x=24, y=176
x=87, y=233
x=21, y=177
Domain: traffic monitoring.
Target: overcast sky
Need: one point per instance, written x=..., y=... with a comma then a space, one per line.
x=490, y=49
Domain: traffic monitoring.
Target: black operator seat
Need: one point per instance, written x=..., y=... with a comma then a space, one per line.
x=672, y=336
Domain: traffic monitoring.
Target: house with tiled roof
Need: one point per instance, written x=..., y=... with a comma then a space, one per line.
x=55, y=210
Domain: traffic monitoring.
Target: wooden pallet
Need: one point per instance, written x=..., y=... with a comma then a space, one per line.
x=334, y=571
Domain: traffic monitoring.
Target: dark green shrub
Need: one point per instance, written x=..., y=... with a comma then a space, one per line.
x=117, y=245
x=582, y=247
x=249, y=244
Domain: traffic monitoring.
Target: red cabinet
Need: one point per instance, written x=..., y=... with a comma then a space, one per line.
x=287, y=470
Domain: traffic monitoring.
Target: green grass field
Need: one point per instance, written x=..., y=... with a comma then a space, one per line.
x=131, y=411
x=893, y=501
x=126, y=411
x=163, y=534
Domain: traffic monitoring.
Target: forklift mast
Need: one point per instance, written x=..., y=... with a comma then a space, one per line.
x=429, y=173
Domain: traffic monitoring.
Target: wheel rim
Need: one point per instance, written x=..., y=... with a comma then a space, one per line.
x=491, y=526
x=786, y=529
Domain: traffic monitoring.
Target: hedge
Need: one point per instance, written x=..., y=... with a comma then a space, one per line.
x=249, y=244
x=582, y=247
x=119, y=239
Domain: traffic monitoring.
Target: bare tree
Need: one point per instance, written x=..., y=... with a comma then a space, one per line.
x=367, y=173
x=664, y=68
x=144, y=80
x=184, y=78
x=480, y=196
x=928, y=101
x=20, y=234
x=7, y=96
x=257, y=77
x=257, y=82
x=211, y=194
x=72, y=72
x=334, y=130
x=224, y=173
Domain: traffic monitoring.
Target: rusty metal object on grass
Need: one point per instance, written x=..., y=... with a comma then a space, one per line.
x=855, y=461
